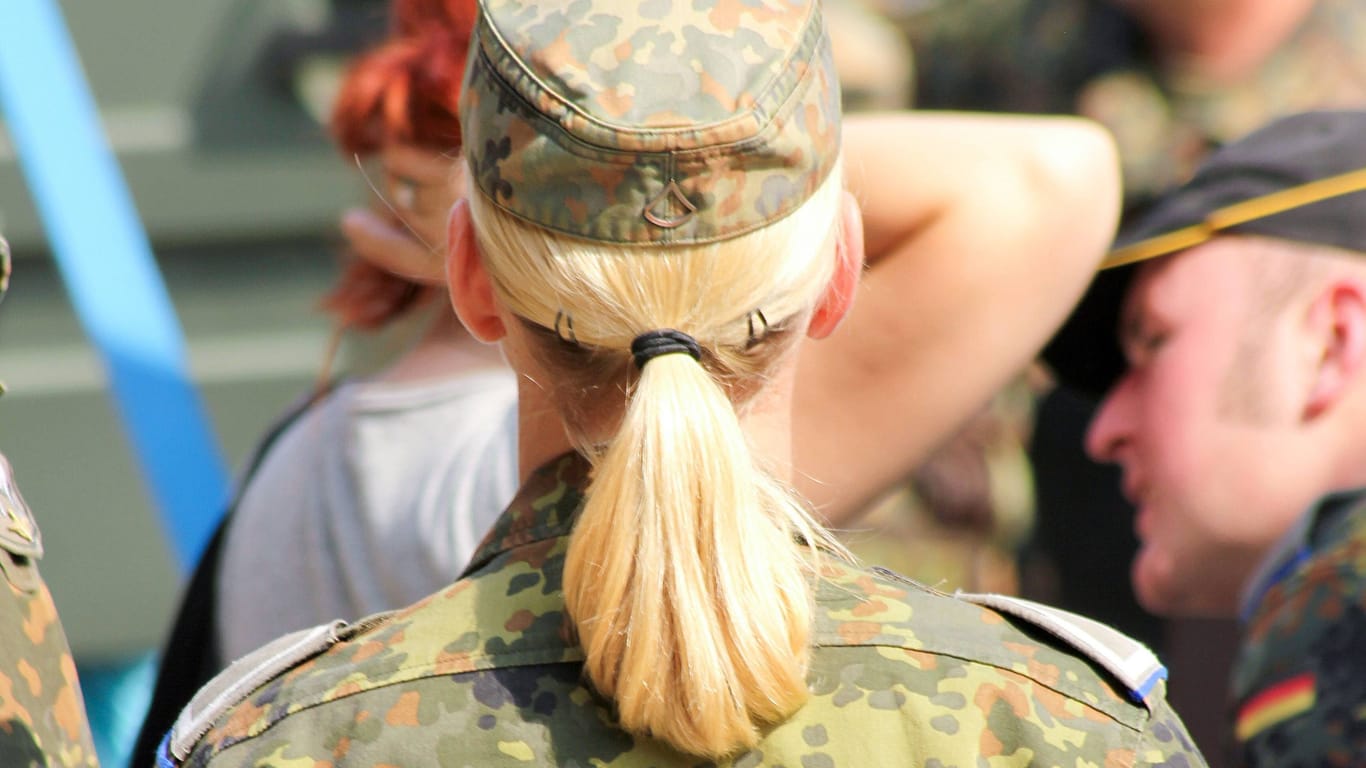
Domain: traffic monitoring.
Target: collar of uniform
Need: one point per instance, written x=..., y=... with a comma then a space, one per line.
x=1313, y=528
x=544, y=508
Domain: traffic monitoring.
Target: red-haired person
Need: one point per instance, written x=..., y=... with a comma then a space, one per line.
x=383, y=485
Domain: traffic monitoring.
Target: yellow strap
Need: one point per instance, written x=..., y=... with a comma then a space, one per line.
x=1238, y=213
x=1161, y=245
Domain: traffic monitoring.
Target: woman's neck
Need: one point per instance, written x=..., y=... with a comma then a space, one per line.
x=766, y=421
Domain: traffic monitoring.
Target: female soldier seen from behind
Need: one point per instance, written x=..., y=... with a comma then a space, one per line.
x=657, y=219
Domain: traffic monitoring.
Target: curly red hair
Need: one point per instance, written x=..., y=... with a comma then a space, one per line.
x=413, y=17
x=405, y=90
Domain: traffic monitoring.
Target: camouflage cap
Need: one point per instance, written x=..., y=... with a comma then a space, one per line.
x=1299, y=178
x=650, y=121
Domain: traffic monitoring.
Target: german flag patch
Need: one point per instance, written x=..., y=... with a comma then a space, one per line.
x=1274, y=705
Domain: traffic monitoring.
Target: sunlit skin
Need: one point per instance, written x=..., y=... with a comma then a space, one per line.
x=1206, y=425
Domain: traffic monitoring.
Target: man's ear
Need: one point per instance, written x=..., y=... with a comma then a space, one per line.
x=839, y=294
x=1337, y=324
x=471, y=290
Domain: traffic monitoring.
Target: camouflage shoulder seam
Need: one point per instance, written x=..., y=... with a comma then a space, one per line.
x=232, y=685
x=1128, y=660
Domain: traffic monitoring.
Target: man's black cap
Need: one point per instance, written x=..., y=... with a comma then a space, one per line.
x=1300, y=178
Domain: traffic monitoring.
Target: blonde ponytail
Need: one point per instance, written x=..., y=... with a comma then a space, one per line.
x=674, y=544
x=689, y=572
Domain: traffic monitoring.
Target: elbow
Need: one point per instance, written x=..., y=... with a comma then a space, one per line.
x=1076, y=167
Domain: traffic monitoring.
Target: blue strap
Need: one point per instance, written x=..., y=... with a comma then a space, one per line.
x=164, y=759
x=108, y=269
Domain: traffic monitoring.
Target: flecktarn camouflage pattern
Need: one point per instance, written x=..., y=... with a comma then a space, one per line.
x=42, y=715
x=481, y=675
x=656, y=121
x=1299, y=680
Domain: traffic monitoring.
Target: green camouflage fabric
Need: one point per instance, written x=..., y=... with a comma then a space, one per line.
x=1299, y=679
x=656, y=121
x=481, y=675
x=1086, y=57
x=42, y=715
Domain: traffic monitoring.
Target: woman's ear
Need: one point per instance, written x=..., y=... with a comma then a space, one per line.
x=471, y=289
x=839, y=294
x=1337, y=323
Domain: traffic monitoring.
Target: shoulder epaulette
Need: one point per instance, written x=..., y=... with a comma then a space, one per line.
x=18, y=531
x=245, y=675
x=1126, y=659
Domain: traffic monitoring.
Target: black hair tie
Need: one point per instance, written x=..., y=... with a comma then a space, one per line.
x=651, y=344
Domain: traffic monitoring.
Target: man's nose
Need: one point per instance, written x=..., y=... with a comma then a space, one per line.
x=1111, y=426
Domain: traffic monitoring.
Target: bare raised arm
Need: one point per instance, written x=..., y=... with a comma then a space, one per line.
x=981, y=232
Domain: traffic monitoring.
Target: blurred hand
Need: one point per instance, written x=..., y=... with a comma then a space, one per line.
x=391, y=246
x=406, y=232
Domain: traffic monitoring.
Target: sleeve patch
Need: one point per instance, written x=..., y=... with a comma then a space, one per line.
x=1275, y=704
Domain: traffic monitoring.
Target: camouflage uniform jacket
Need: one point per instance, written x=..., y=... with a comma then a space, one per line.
x=1087, y=57
x=1299, y=679
x=481, y=675
x=42, y=715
